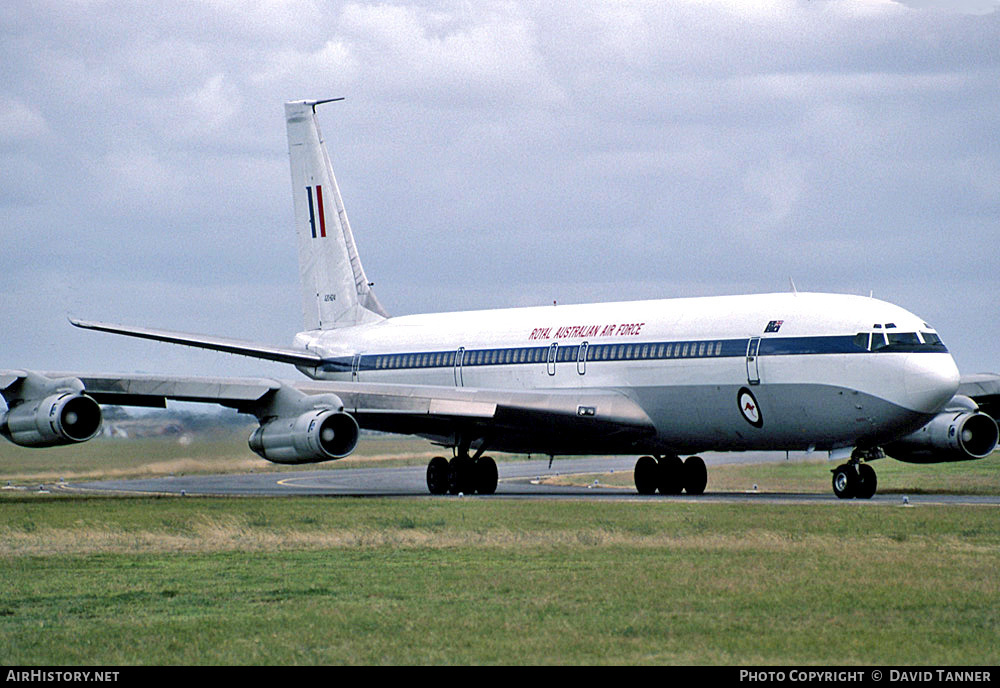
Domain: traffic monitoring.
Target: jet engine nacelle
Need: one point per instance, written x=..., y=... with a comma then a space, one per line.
x=956, y=435
x=314, y=436
x=55, y=420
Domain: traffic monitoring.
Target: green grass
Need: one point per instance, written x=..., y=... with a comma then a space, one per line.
x=369, y=581
x=97, y=580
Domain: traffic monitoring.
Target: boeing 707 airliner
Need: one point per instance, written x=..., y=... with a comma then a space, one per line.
x=659, y=379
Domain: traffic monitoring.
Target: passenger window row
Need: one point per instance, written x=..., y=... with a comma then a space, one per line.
x=569, y=353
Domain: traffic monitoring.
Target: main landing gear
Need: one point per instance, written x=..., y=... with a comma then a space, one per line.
x=856, y=479
x=670, y=475
x=462, y=475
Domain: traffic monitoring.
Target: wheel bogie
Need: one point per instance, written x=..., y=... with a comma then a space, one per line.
x=462, y=475
x=669, y=475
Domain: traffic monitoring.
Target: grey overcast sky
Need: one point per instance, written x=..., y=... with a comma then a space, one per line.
x=491, y=154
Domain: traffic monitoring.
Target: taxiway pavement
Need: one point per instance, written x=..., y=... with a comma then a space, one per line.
x=518, y=479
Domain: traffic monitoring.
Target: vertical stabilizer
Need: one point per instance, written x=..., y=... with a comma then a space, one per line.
x=335, y=290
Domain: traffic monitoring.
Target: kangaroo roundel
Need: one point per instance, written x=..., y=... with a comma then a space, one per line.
x=749, y=408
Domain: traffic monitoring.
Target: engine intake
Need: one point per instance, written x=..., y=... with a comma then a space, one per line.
x=314, y=436
x=950, y=436
x=56, y=420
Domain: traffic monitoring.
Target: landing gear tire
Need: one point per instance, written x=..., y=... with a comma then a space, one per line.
x=845, y=481
x=695, y=475
x=867, y=482
x=461, y=476
x=671, y=475
x=646, y=475
x=437, y=475
x=487, y=476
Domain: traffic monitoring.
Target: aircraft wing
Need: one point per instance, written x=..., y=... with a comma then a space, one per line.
x=201, y=341
x=984, y=389
x=578, y=422
x=507, y=420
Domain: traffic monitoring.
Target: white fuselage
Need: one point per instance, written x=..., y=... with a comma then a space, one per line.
x=771, y=371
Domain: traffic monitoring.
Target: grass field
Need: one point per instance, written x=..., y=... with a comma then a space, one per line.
x=121, y=581
x=237, y=581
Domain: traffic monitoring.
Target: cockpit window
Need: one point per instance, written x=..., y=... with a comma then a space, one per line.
x=898, y=341
x=932, y=340
x=903, y=339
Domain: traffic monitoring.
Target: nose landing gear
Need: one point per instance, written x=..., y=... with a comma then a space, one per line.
x=855, y=479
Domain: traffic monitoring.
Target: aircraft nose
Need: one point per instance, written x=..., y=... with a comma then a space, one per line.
x=931, y=381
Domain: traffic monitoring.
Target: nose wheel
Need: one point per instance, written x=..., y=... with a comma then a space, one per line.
x=856, y=480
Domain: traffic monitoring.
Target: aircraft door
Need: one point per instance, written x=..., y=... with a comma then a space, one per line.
x=551, y=362
x=459, y=355
x=355, y=365
x=753, y=356
x=581, y=359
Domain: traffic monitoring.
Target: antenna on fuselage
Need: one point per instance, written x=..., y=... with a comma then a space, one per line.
x=794, y=290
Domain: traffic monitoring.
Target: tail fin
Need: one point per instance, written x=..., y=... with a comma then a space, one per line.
x=335, y=290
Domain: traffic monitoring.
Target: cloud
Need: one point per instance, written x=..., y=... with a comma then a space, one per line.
x=495, y=153
x=19, y=121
